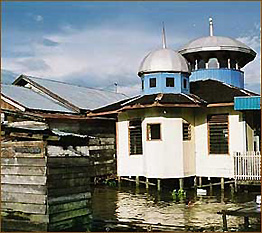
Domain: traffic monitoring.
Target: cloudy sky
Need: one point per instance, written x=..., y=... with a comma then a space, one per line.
x=99, y=43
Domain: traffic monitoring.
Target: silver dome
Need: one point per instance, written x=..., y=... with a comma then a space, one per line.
x=215, y=43
x=163, y=60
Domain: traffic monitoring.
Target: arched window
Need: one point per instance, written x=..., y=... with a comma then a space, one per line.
x=213, y=63
x=201, y=64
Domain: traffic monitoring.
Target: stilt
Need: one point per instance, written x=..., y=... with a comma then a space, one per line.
x=158, y=185
x=119, y=181
x=147, y=181
x=222, y=183
x=200, y=181
x=137, y=181
x=224, y=220
x=235, y=186
x=210, y=188
x=181, y=183
x=195, y=182
x=246, y=222
x=232, y=189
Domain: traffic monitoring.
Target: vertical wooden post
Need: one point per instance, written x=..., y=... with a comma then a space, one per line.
x=222, y=183
x=235, y=184
x=147, y=185
x=232, y=189
x=246, y=222
x=224, y=220
x=200, y=181
x=181, y=183
x=158, y=185
x=119, y=181
x=137, y=181
x=210, y=188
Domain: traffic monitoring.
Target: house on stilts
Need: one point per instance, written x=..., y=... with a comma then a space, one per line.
x=194, y=118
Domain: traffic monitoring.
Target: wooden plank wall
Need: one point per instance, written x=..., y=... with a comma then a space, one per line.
x=68, y=182
x=23, y=186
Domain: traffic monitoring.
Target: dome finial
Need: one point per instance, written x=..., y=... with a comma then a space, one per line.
x=163, y=36
x=211, y=30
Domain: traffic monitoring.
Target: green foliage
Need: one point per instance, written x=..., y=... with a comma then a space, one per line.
x=178, y=195
x=110, y=182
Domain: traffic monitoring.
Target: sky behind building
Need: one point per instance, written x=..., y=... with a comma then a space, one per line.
x=99, y=43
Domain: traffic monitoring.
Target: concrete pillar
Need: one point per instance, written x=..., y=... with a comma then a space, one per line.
x=222, y=183
x=147, y=185
x=200, y=181
x=195, y=182
x=207, y=65
x=158, y=184
x=237, y=67
x=181, y=183
x=137, y=181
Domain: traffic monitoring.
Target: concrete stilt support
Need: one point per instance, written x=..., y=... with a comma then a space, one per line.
x=137, y=181
x=210, y=187
x=147, y=185
x=195, y=182
x=158, y=185
x=200, y=181
x=222, y=183
x=181, y=183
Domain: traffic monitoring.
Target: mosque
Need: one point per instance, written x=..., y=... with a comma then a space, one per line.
x=193, y=114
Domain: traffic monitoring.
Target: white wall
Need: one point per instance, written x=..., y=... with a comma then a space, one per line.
x=212, y=165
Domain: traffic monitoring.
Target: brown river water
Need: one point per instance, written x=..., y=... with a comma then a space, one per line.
x=127, y=208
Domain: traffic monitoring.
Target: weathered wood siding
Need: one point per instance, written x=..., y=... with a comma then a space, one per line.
x=44, y=191
x=23, y=186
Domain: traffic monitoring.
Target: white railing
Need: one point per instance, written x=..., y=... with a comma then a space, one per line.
x=247, y=165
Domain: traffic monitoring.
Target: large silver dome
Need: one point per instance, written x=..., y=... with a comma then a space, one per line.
x=163, y=60
x=214, y=43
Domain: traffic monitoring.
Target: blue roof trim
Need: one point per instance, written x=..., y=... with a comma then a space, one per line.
x=247, y=103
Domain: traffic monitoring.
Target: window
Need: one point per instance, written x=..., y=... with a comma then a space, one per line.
x=135, y=137
x=185, y=83
x=186, y=131
x=153, y=132
x=142, y=84
x=152, y=82
x=218, y=134
x=170, y=82
x=201, y=64
x=213, y=63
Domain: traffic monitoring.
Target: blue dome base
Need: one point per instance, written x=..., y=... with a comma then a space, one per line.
x=229, y=76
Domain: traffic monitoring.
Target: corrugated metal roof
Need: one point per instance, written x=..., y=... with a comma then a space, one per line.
x=32, y=100
x=82, y=97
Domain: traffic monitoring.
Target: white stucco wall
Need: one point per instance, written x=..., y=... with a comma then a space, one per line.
x=212, y=165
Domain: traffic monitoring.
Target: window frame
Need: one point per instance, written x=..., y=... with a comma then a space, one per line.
x=189, y=136
x=147, y=132
x=208, y=134
x=150, y=82
x=185, y=82
x=169, y=78
x=129, y=138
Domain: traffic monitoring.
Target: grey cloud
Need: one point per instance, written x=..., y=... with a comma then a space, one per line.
x=35, y=64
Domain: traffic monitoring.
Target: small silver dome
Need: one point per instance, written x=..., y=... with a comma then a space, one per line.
x=163, y=60
x=216, y=43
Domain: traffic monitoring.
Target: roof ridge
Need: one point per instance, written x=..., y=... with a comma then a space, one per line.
x=72, y=84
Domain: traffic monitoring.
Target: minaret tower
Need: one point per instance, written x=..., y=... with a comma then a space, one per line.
x=218, y=58
x=164, y=71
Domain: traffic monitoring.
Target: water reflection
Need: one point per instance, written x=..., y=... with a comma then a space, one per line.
x=150, y=210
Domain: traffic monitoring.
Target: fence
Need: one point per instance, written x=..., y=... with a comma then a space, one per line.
x=247, y=165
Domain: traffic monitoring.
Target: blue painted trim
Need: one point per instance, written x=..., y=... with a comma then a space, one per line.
x=247, y=103
x=161, y=83
x=229, y=76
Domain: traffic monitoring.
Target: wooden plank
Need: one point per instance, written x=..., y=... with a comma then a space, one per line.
x=101, y=141
x=68, y=182
x=101, y=147
x=69, y=198
x=23, y=198
x=22, y=225
x=20, y=188
x=26, y=208
x=13, y=170
x=67, y=206
x=67, y=176
x=68, y=215
x=17, y=179
x=55, y=192
x=32, y=162
x=67, y=162
x=67, y=170
x=82, y=221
